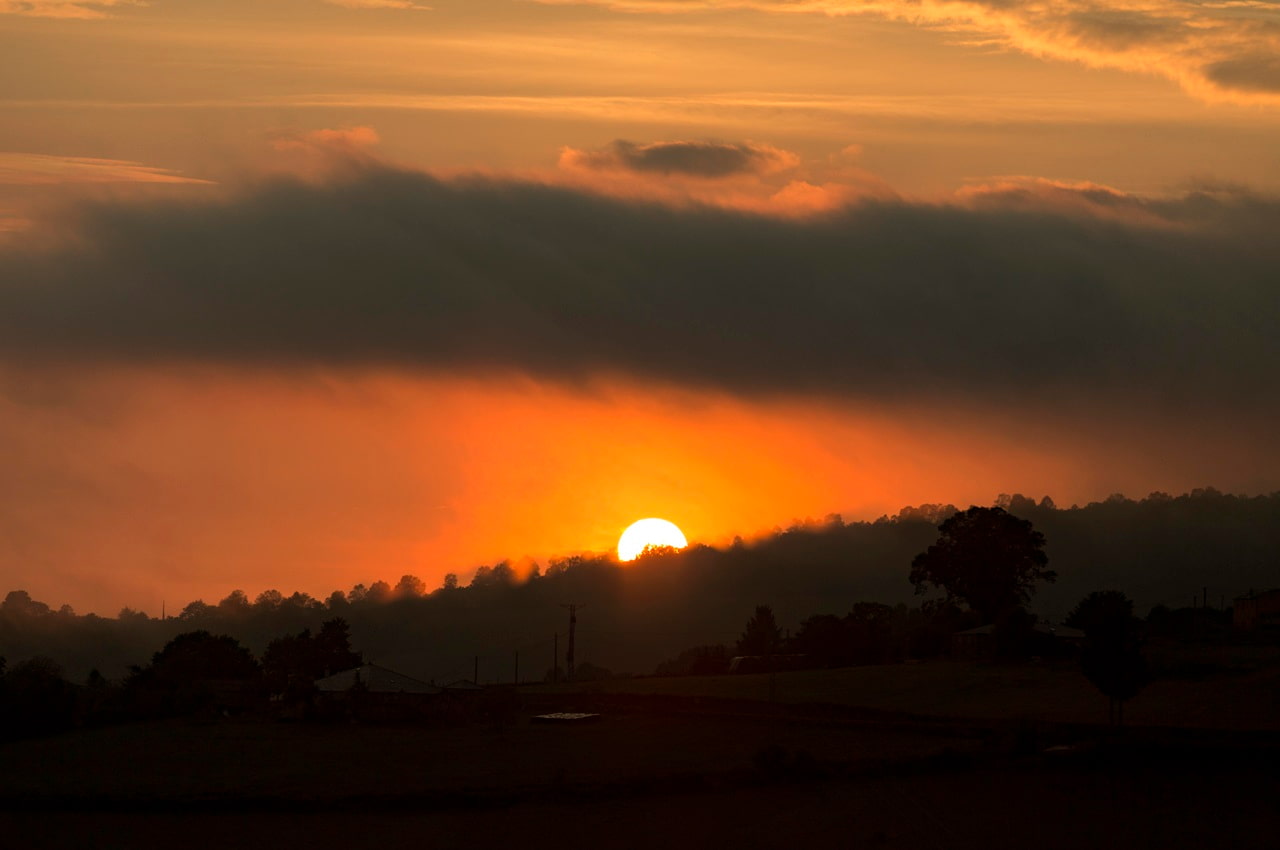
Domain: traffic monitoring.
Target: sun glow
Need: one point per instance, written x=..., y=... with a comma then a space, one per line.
x=649, y=532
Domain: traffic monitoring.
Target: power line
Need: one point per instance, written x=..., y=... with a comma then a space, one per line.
x=573, y=628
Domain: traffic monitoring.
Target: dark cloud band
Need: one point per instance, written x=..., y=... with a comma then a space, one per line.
x=398, y=269
x=694, y=159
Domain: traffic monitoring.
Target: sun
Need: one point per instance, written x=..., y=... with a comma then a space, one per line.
x=649, y=532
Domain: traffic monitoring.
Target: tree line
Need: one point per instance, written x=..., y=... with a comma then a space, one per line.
x=1161, y=551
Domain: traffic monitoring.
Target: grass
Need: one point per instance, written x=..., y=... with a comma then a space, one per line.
x=1058, y=694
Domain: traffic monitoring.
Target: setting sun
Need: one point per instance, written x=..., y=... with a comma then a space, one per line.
x=649, y=532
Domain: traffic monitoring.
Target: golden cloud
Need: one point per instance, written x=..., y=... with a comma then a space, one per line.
x=340, y=139
x=1215, y=49
x=61, y=8
x=379, y=4
x=31, y=169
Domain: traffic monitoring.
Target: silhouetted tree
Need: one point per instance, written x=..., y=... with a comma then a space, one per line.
x=697, y=661
x=37, y=699
x=410, y=587
x=20, y=603
x=379, y=591
x=450, y=581
x=334, y=647
x=1101, y=613
x=268, y=600
x=188, y=672
x=762, y=635
x=936, y=620
x=193, y=656
x=655, y=550
x=499, y=575
x=986, y=557
x=299, y=601
x=293, y=662
x=235, y=605
x=197, y=610
x=826, y=638
x=870, y=632
x=1015, y=637
x=863, y=636
x=288, y=660
x=1112, y=657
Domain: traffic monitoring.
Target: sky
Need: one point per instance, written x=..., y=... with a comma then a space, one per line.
x=302, y=294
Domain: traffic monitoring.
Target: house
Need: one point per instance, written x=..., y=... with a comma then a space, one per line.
x=463, y=686
x=1257, y=610
x=370, y=692
x=375, y=680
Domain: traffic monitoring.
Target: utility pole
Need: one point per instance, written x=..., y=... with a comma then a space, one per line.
x=515, y=680
x=555, y=660
x=573, y=628
x=475, y=671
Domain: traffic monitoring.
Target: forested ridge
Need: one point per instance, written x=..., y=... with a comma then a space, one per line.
x=1160, y=550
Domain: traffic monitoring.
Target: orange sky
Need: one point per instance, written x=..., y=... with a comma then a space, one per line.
x=135, y=480
x=129, y=487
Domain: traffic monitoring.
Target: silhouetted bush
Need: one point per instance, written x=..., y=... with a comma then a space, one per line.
x=195, y=671
x=697, y=661
x=35, y=699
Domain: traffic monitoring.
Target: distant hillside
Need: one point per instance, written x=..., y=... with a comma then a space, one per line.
x=1160, y=550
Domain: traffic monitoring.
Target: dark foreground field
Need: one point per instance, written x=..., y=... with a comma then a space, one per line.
x=659, y=769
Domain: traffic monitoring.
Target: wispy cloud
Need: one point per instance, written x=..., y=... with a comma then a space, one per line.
x=342, y=139
x=32, y=169
x=380, y=4
x=1215, y=49
x=81, y=9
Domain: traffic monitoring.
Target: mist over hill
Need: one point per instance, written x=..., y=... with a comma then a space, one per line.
x=1159, y=550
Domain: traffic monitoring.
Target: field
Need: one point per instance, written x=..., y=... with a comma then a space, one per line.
x=838, y=758
x=1245, y=696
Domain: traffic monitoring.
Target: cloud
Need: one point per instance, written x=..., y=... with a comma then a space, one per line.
x=1215, y=49
x=745, y=176
x=82, y=9
x=344, y=139
x=380, y=4
x=91, y=9
x=693, y=159
x=31, y=169
x=995, y=301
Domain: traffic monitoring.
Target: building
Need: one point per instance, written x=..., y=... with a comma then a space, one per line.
x=374, y=693
x=1257, y=610
x=375, y=680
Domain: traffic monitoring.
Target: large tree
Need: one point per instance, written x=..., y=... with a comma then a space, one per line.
x=762, y=635
x=1112, y=658
x=986, y=557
